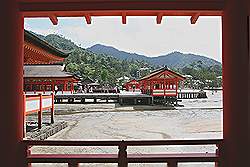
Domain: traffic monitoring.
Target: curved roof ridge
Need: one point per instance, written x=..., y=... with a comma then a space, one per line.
x=31, y=37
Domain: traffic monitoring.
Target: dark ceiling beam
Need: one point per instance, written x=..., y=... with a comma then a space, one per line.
x=27, y=6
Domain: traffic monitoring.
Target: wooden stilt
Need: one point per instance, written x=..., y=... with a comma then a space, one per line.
x=172, y=164
x=73, y=164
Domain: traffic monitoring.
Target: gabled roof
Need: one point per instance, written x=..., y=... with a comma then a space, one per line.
x=87, y=80
x=133, y=81
x=171, y=74
x=46, y=71
x=123, y=78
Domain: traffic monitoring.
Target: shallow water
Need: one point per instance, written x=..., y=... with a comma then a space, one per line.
x=199, y=119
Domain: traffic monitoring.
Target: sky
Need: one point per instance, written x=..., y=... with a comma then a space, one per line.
x=140, y=35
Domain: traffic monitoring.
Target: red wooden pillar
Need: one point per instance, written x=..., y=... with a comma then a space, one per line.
x=11, y=99
x=73, y=164
x=53, y=86
x=176, y=87
x=44, y=86
x=72, y=87
x=153, y=85
x=64, y=86
x=24, y=115
x=172, y=164
x=35, y=88
x=150, y=87
x=52, y=112
x=40, y=111
x=165, y=85
x=235, y=99
x=122, y=155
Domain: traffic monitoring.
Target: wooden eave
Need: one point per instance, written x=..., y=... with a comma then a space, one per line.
x=68, y=78
x=35, y=55
x=132, y=82
x=40, y=43
x=38, y=51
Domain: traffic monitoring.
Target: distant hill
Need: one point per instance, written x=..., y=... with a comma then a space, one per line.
x=108, y=50
x=99, y=67
x=112, y=63
x=172, y=60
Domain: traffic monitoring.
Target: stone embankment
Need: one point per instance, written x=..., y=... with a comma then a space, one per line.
x=46, y=131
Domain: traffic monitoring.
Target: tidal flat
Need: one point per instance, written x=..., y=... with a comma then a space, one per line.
x=198, y=119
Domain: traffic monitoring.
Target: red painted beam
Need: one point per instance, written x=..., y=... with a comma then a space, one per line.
x=194, y=18
x=87, y=18
x=124, y=18
x=159, y=18
x=53, y=19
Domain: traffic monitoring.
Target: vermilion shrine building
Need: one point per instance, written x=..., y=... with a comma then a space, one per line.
x=45, y=78
x=41, y=76
x=42, y=73
x=162, y=82
x=132, y=86
x=234, y=149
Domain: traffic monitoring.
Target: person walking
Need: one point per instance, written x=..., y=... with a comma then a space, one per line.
x=56, y=89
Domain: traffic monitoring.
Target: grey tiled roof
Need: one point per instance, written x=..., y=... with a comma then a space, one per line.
x=45, y=71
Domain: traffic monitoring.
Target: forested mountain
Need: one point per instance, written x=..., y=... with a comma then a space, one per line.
x=173, y=60
x=106, y=68
x=102, y=49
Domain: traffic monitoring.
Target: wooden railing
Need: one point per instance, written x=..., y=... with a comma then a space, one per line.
x=162, y=92
x=48, y=92
x=37, y=104
x=122, y=158
x=191, y=95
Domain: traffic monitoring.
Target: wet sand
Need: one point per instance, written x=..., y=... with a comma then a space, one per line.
x=199, y=119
